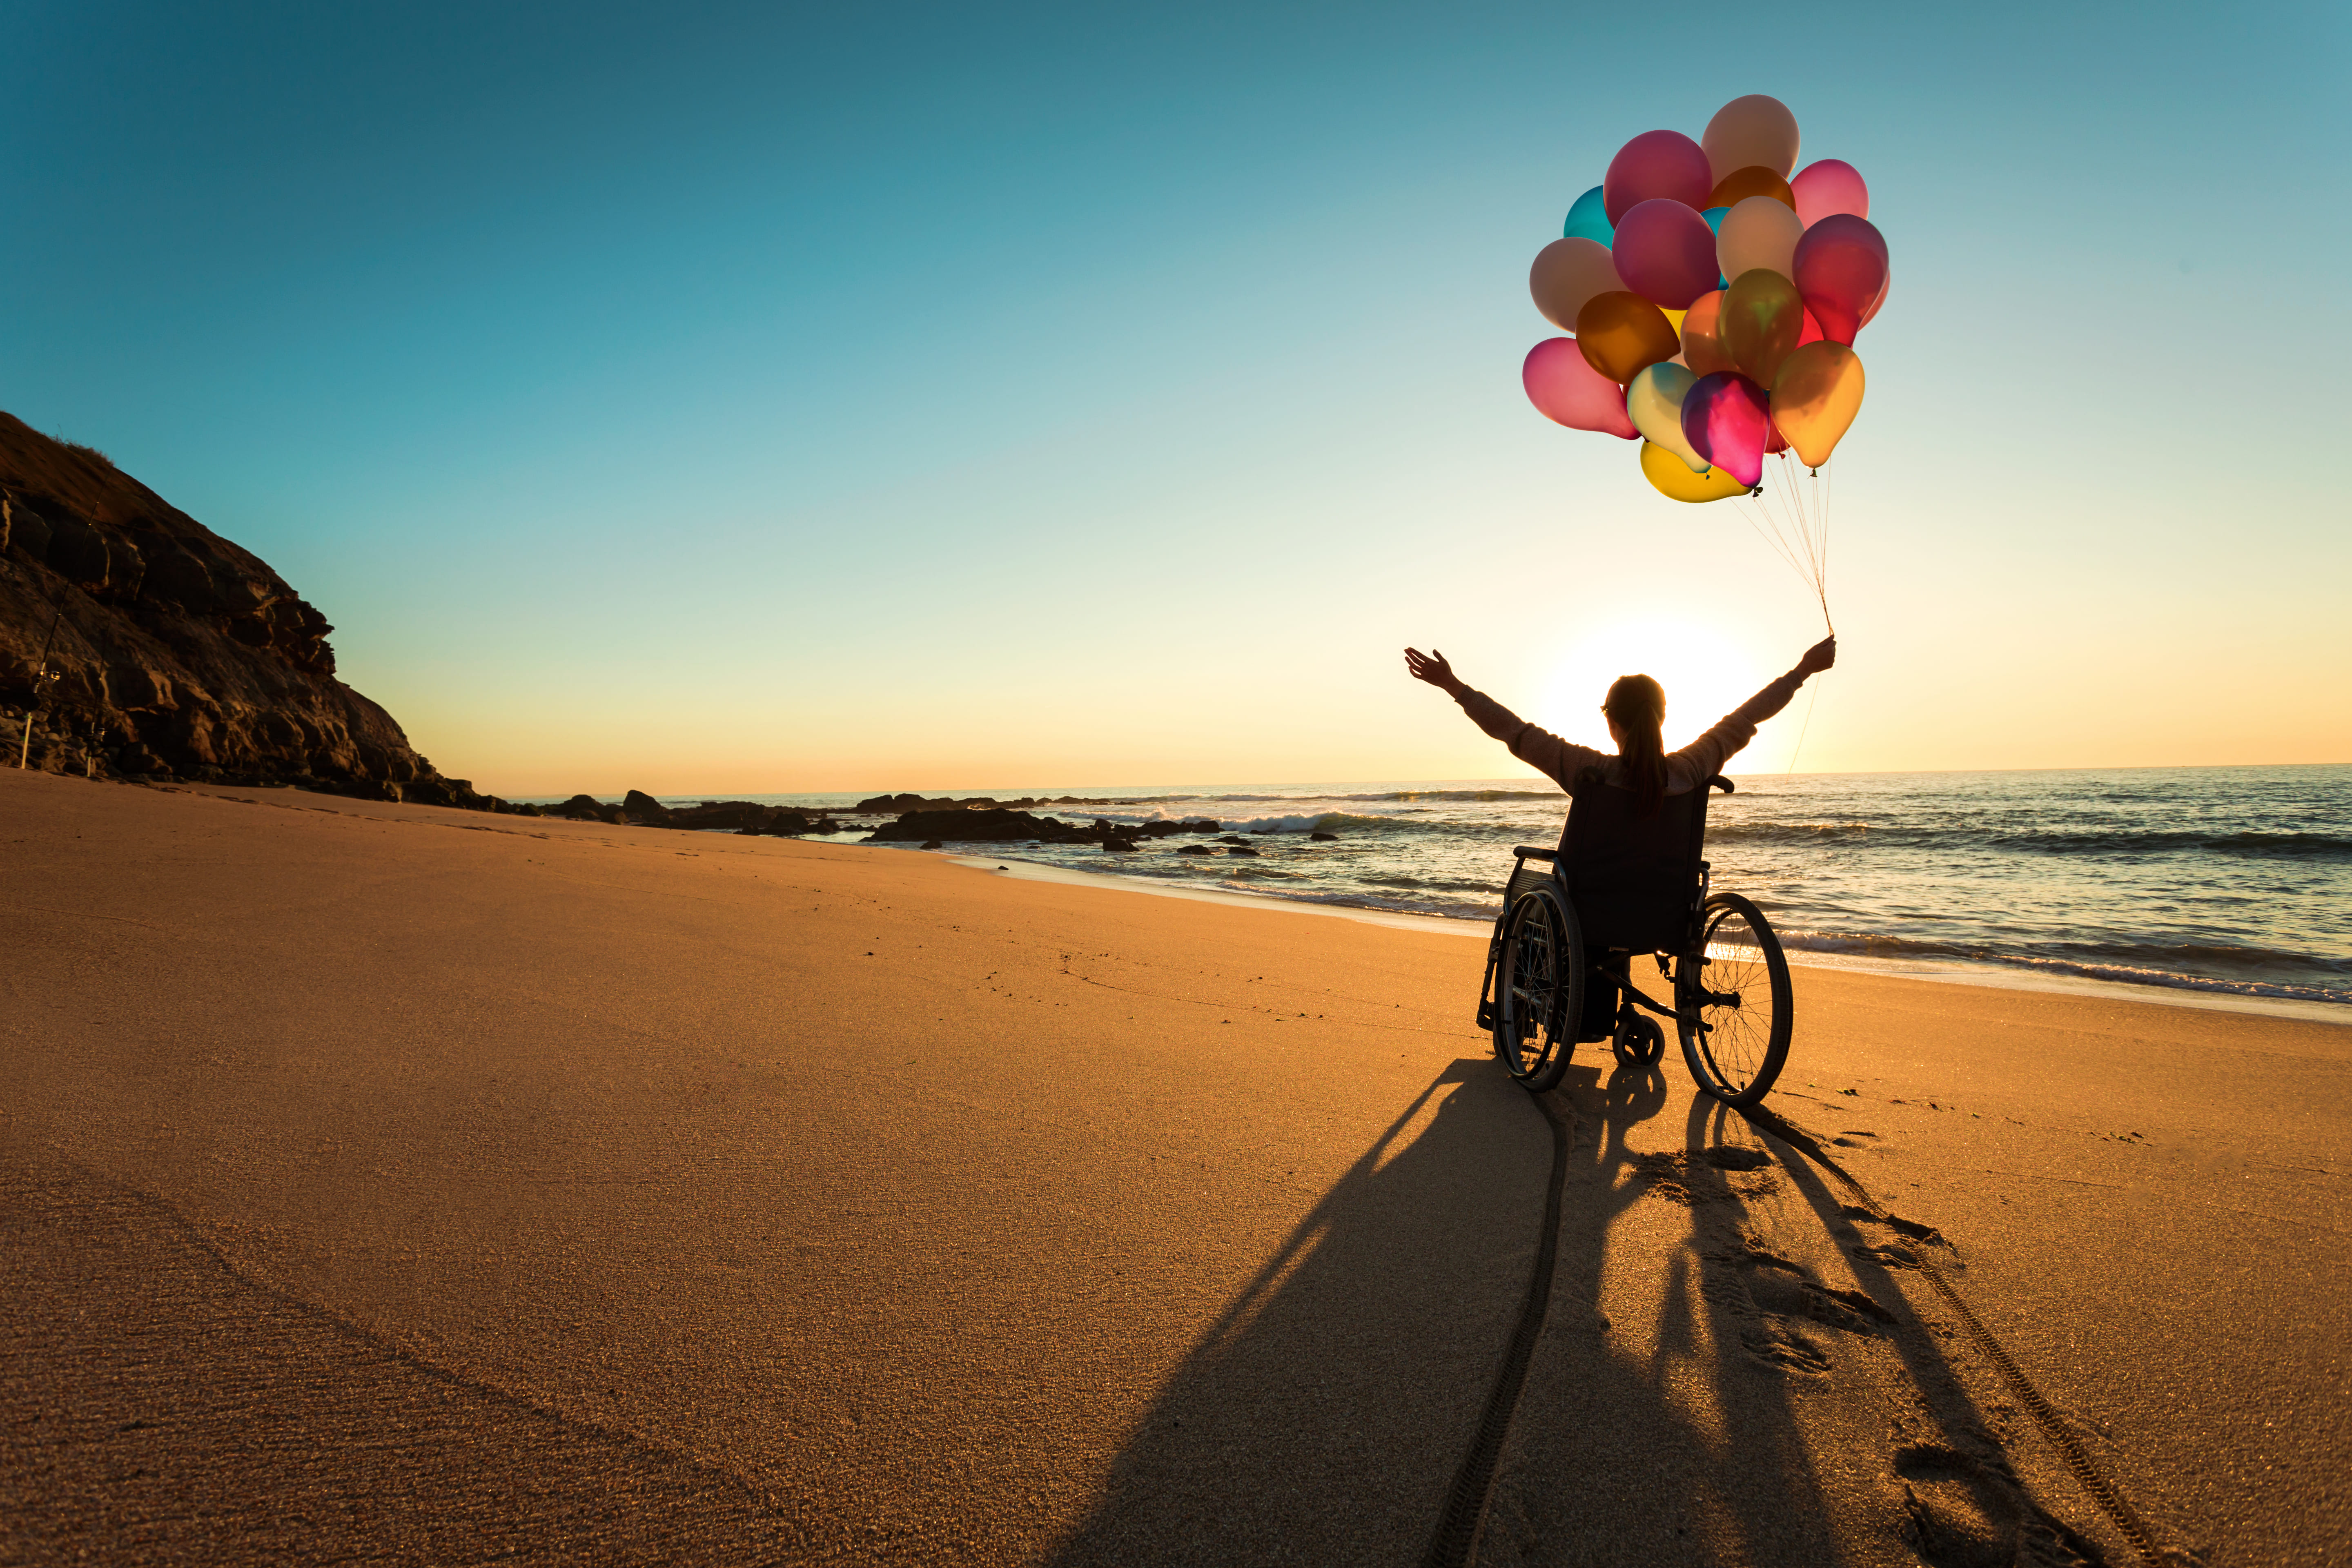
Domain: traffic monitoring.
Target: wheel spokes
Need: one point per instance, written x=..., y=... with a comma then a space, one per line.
x=1736, y=1004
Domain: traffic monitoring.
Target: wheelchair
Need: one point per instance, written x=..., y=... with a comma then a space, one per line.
x=1560, y=966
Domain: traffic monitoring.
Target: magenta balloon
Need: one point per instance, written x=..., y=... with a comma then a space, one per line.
x=1567, y=391
x=1727, y=419
x=1656, y=164
x=1880, y=303
x=1840, y=267
x=1829, y=187
x=1665, y=252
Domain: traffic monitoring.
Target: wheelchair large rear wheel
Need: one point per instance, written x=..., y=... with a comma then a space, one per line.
x=1735, y=1001
x=1539, y=989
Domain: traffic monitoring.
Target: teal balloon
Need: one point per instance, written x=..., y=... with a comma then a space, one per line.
x=1714, y=217
x=1589, y=219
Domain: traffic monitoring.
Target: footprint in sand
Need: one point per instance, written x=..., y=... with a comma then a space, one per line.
x=1964, y=1512
x=1777, y=1288
x=1779, y=1345
x=1897, y=1224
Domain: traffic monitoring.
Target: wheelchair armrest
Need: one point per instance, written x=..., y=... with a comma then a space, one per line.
x=1719, y=782
x=1530, y=852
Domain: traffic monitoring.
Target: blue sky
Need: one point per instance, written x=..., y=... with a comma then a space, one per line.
x=749, y=398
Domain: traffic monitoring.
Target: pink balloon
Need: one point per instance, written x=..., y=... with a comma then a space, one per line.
x=1828, y=187
x=1728, y=420
x=1840, y=267
x=1569, y=392
x=1656, y=164
x=1665, y=252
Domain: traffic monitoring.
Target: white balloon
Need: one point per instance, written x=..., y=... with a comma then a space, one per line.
x=1761, y=231
x=1653, y=401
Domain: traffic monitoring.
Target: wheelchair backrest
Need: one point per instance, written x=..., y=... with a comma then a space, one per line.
x=1633, y=880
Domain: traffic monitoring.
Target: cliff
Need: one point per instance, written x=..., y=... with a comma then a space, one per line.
x=177, y=653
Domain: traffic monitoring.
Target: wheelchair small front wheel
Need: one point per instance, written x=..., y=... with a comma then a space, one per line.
x=1639, y=1041
x=1539, y=991
x=1735, y=1006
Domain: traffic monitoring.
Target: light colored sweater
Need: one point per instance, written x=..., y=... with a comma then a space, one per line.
x=1561, y=761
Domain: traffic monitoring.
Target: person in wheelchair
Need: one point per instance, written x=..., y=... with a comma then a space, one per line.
x=1636, y=710
x=1627, y=879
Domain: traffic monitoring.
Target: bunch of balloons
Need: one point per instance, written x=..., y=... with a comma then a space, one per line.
x=1715, y=291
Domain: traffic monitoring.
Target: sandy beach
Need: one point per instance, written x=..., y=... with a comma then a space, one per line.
x=408, y=1184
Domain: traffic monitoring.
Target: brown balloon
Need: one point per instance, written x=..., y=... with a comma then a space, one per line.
x=1567, y=273
x=1620, y=334
x=1704, y=349
x=1756, y=129
x=1753, y=181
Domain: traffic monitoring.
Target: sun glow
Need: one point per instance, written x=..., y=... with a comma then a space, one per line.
x=1706, y=675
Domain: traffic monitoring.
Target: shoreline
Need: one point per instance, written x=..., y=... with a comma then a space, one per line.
x=1942, y=972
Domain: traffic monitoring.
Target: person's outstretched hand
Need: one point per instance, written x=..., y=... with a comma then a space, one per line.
x=1819, y=656
x=1432, y=667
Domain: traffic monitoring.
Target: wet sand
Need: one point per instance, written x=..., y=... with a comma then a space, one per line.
x=390, y=1181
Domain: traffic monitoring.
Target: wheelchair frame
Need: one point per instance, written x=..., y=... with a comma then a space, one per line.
x=1564, y=1013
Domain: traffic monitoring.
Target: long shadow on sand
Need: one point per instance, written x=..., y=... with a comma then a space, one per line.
x=1322, y=1417
x=1764, y=1409
x=1772, y=1396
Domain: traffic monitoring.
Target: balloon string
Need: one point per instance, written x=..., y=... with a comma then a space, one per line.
x=1753, y=510
x=1798, y=749
x=1793, y=518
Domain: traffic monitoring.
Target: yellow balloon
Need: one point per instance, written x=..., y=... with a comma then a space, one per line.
x=1815, y=395
x=1670, y=477
x=1676, y=318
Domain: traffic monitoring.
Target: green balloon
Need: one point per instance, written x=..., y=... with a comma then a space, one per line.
x=1763, y=318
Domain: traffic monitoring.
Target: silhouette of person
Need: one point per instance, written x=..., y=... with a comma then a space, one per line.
x=1636, y=707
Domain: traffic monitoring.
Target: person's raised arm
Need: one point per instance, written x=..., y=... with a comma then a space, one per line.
x=1538, y=748
x=1432, y=667
x=1774, y=697
x=1707, y=754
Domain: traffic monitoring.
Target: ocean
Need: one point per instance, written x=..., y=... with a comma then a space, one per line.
x=2217, y=880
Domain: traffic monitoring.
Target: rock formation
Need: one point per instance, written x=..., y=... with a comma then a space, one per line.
x=969, y=826
x=638, y=809
x=172, y=652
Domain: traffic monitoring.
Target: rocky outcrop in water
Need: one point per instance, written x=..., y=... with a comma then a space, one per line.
x=893, y=805
x=1004, y=826
x=638, y=809
x=170, y=651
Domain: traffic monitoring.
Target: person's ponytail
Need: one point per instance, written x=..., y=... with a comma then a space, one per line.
x=1637, y=706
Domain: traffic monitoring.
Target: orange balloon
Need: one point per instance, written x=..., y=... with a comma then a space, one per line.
x=1622, y=334
x=1566, y=274
x=1753, y=181
x=1815, y=399
x=1704, y=349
